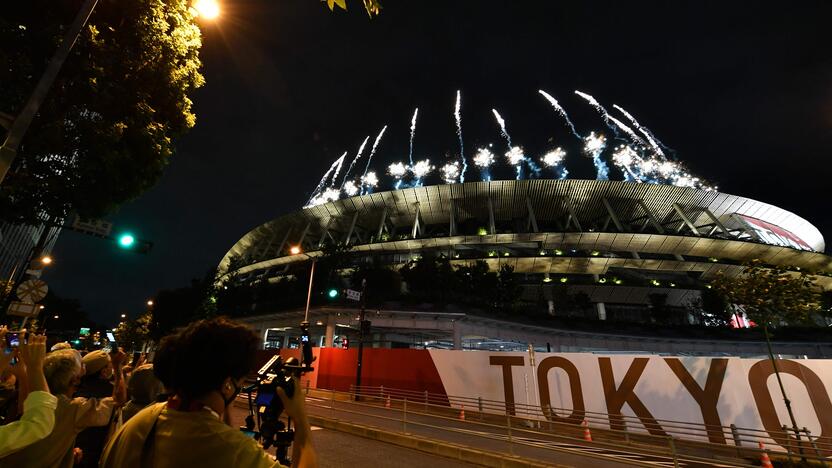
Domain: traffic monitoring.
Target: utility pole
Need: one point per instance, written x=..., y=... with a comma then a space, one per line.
x=361, y=332
x=18, y=127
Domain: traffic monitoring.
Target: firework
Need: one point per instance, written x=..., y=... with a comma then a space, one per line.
x=421, y=169
x=594, y=146
x=397, y=170
x=458, y=118
x=338, y=168
x=597, y=105
x=560, y=110
x=629, y=131
x=322, y=183
x=502, y=124
x=515, y=155
x=626, y=158
x=369, y=180
x=484, y=158
x=373, y=150
x=553, y=158
x=350, y=188
x=354, y=160
x=412, y=133
x=654, y=143
x=450, y=172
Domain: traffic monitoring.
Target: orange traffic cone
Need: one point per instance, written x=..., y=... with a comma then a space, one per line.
x=387, y=403
x=765, y=462
x=587, y=433
x=462, y=412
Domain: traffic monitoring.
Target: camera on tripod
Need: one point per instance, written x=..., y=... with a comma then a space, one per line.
x=266, y=408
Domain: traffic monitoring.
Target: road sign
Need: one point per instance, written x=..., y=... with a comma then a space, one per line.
x=353, y=295
x=32, y=290
x=93, y=227
x=23, y=309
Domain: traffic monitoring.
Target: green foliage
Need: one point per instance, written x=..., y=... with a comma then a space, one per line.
x=107, y=128
x=373, y=7
x=435, y=280
x=771, y=295
x=133, y=334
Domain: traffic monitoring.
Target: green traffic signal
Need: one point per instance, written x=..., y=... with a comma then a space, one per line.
x=332, y=293
x=126, y=240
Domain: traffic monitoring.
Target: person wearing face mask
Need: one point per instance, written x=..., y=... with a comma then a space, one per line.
x=99, y=381
x=63, y=370
x=203, y=367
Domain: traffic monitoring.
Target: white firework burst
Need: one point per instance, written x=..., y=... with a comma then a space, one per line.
x=484, y=157
x=450, y=172
x=554, y=158
x=422, y=168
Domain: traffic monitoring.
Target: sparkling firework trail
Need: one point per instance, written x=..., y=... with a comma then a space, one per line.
x=354, y=160
x=413, y=133
x=373, y=150
x=338, y=168
x=654, y=143
x=458, y=117
x=626, y=158
x=322, y=183
x=597, y=105
x=483, y=159
x=629, y=131
x=594, y=145
x=450, y=172
x=560, y=110
x=502, y=124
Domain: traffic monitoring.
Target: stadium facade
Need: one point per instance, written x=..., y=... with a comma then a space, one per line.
x=616, y=243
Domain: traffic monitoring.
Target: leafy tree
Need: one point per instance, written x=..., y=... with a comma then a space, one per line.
x=508, y=288
x=108, y=127
x=373, y=7
x=770, y=296
x=430, y=278
x=133, y=334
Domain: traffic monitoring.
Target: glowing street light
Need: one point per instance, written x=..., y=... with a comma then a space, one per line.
x=208, y=9
x=46, y=259
x=294, y=250
x=123, y=315
x=150, y=303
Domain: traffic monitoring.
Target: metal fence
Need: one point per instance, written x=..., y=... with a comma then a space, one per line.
x=530, y=425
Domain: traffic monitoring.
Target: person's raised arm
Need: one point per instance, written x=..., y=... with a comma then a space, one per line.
x=303, y=454
x=32, y=354
x=119, y=387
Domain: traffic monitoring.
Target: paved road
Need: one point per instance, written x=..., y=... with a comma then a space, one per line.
x=532, y=444
x=340, y=450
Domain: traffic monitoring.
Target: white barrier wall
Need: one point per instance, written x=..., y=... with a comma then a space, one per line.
x=716, y=391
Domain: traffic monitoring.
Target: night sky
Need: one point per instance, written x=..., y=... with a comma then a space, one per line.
x=741, y=91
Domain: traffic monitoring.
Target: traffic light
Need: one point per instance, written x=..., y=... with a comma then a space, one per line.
x=127, y=241
x=332, y=293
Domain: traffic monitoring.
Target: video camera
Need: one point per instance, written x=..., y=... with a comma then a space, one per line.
x=267, y=407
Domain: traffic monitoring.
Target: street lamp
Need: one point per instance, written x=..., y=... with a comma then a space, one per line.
x=150, y=303
x=46, y=260
x=294, y=250
x=208, y=9
x=123, y=315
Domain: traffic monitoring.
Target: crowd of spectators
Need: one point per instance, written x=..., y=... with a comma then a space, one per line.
x=66, y=408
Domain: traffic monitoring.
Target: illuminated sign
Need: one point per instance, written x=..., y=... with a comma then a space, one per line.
x=772, y=234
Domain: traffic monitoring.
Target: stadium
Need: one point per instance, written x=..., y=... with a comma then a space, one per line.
x=615, y=245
